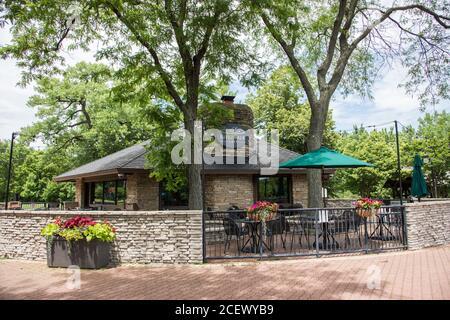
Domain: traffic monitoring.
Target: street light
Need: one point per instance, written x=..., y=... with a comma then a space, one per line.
x=13, y=136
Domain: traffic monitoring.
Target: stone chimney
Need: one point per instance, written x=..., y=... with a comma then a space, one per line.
x=243, y=114
x=227, y=100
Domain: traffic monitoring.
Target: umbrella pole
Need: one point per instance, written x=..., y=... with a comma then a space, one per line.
x=321, y=191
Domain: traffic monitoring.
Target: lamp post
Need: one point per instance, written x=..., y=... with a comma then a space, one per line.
x=8, y=181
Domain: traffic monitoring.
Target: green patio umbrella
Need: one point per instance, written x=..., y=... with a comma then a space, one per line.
x=324, y=158
x=419, y=186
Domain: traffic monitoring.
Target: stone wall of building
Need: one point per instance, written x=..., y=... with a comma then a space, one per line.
x=143, y=190
x=300, y=189
x=142, y=236
x=338, y=203
x=428, y=224
x=223, y=191
x=79, y=191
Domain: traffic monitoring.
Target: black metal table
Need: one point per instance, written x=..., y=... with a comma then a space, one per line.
x=326, y=234
x=257, y=244
x=382, y=231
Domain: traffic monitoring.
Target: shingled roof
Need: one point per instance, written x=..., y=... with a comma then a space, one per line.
x=132, y=159
x=128, y=159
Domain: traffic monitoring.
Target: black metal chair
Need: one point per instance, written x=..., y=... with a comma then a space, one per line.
x=278, y=226
x=348, y=222
x=301, y=226
x=232, y=228
x=235, y=213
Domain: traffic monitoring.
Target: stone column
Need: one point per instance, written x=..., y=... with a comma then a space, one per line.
x=79, y=192
x=143, y=191
x=300, y=189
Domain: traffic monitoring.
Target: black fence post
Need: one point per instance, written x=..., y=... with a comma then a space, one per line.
x=404, y=227
x=203, y=237
x=366, y=236
x=316, y=223
x=262, y=230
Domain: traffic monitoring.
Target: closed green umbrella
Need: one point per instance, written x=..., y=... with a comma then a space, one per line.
x=324, y=158
x=419, y=186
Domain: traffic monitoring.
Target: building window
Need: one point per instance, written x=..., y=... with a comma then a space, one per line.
x=108, y=192
x=98, y=192
x=173, y=200
x=121, y=193
x=274, y=189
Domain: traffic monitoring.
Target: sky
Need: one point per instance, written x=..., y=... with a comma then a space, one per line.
x=389, y=102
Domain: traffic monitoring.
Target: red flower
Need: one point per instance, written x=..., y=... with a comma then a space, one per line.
x=78, y=221
x=58, y=221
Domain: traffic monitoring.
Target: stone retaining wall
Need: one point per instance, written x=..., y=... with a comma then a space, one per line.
x=428, y=224
x=142, y=236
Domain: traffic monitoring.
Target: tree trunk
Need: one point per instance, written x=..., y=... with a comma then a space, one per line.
x=195, y=184
x=195, y=187
x=314, y=141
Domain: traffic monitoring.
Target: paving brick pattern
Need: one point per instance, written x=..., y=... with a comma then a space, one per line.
x=421, y=274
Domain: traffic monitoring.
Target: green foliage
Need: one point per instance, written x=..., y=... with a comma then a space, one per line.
x=80, y=115
x=409, y=35
x=280, y=104
x=99, y=231
x=72, y=234
x=50, y=230
x=165, y=121
x=375, y=147
x=33, y=178
x=431, y=138
x=20, y=153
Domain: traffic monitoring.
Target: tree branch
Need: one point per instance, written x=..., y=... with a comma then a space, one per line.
x=421, y=37
x=180, y=37
x=323, y=68
x=208, y=33
x=345, y=54
x=387, y=13
x=294, y=62
x=350, y=15
x=163, y=74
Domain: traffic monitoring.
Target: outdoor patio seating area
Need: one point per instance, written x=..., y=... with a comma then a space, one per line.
x=230, y=234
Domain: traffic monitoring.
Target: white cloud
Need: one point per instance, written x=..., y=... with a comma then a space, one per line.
x=389, y=103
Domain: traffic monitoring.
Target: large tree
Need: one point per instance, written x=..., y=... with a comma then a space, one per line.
x=279, y=103
x=83, y=114
x=169, y=48
x=339, y=44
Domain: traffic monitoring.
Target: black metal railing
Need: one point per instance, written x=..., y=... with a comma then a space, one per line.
x=296, y=232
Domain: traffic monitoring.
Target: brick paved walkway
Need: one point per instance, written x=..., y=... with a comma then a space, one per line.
x=423, y=274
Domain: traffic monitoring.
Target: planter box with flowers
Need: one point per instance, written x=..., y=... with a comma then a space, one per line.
x=366, y=207
x=78, y=241
x=262, y=211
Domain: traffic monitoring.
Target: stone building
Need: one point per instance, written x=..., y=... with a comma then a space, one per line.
x=121, y=180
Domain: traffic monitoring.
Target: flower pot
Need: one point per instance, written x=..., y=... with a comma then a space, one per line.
x=87, y=255
x=366, y=213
